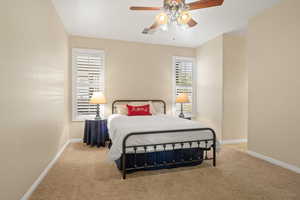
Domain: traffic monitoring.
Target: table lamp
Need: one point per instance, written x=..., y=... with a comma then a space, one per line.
x=98, y=98
x=182, y=98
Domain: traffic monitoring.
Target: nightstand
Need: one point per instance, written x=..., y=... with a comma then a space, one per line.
x=95, y=132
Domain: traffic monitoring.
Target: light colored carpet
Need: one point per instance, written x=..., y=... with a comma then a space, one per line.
x=82, y=173
x=241, y=147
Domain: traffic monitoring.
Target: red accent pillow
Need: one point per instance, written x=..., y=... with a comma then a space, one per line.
x=138, y=110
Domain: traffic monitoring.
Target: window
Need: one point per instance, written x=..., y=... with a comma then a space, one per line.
x=88, y=77
x=185, y=82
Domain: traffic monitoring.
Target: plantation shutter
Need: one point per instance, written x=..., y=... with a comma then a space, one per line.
x=88, y=77
x=184, y=83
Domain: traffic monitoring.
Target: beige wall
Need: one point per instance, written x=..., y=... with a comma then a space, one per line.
x=133, y=70
x=33, y=58
x=235, y=83
x=222, y=85
x=210, y=83
x=274, y=83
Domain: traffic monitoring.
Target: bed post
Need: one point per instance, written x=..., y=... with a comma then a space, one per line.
x=124, y=165
x=214, y=148
x=124, y=157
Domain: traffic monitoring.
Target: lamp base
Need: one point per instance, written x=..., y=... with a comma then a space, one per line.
x=97, y=118
x=98, y=113
x=181, y=115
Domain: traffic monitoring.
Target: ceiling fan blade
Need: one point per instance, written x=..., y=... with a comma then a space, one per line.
x=204, y=4
x=192, y=23
x=166, y=2
x=144, y=8
x=151, y=29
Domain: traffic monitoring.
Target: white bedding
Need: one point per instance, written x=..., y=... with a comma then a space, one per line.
x=121, y=125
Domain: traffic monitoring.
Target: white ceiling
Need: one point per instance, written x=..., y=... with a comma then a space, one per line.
x=112, y=19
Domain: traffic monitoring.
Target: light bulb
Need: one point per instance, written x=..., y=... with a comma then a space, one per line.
x=162, y=18
x=164, y=27
x=184, y=17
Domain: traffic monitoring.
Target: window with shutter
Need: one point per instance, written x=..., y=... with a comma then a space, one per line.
x=88, y=77
x=185, y=82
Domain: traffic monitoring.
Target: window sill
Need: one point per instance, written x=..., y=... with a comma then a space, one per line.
x=78, y=120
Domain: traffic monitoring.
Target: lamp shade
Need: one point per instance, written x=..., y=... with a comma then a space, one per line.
x=182, y=98
x=98, y=98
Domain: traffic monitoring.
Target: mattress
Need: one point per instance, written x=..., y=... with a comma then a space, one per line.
x=119, y=126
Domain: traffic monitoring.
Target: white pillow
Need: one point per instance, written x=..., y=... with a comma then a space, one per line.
x=158, y=108
x=152, y=108
x=122, y=109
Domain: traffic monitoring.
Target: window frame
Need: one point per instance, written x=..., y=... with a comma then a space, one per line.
x=194, y=84
x=75, y=117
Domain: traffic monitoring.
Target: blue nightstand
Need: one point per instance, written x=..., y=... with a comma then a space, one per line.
x=95, y=132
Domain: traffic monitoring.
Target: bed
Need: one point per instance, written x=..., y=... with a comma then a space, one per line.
x=158, y=141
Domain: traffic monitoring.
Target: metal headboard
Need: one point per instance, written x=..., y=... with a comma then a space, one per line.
x=144, y=100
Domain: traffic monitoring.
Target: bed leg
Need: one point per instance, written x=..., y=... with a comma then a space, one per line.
x=214, y=153
x=214, y=147
x=124, y=165
x=214, y=157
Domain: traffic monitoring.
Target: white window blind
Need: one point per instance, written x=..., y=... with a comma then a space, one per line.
x=185, y=83
x=88, y=77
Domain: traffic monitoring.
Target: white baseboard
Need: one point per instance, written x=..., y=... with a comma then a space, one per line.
x=275, y=162
x=237, y=141
x=75, y=140
x=44, y=173
x=46, y=170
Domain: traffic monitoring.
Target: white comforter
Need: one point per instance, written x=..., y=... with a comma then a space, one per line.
x=120, y=125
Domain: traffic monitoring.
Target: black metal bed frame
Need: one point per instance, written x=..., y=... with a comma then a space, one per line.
x=182, y=144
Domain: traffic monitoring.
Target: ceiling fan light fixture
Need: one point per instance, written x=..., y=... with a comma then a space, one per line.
x=162, y=18
x=164, y=27
x=183, y=26
x=184, y=17
x=176, y=13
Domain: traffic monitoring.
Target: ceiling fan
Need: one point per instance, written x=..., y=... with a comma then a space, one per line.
x=176, y=12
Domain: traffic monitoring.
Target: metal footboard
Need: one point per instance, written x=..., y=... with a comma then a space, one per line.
x=182, y=145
